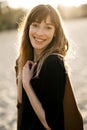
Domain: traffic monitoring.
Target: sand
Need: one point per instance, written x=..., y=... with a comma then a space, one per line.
x=77, y=31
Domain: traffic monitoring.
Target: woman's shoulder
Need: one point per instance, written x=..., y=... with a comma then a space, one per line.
x=53, y=63
x=54, y=59
x=52, y=66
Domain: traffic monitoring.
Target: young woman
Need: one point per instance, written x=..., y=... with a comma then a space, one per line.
x=40, y=71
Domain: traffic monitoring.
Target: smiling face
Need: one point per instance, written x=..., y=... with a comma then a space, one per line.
x=41, y=34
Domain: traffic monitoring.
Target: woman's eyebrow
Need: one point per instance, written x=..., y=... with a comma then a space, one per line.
x=47, y=23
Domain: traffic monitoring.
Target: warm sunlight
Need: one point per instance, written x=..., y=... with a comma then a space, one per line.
x=54, y=3
x=72, y=3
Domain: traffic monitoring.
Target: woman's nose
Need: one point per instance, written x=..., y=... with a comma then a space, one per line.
x=40, y=31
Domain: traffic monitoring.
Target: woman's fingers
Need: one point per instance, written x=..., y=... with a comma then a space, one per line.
x=30, y=64
x=28, y=69
x=33, y=66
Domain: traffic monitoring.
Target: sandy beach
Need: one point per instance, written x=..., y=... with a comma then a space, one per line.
x=77, y=31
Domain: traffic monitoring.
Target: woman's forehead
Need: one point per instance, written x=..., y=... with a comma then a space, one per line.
x=46, y=19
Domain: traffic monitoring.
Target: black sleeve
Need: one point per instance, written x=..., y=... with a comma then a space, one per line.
x=52, y=80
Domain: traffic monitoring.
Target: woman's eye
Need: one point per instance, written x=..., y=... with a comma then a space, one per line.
x=48, y=27
x=35, y=24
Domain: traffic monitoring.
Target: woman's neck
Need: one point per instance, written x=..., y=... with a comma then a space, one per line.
x=36, y=55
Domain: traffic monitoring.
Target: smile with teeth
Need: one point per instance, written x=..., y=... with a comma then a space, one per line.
x=39, y=39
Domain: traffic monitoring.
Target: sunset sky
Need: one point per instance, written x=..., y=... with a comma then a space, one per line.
x=31, y=3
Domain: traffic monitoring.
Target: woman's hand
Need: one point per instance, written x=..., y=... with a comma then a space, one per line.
x=27, y=72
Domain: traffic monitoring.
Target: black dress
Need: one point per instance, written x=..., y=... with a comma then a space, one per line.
x=49, y=87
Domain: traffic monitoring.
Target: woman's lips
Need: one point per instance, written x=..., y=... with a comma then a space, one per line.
x=39, y=39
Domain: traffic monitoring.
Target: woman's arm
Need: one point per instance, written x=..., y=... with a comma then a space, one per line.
x=36, y=105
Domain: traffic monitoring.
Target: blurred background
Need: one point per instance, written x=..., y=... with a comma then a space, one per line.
x=74, y=15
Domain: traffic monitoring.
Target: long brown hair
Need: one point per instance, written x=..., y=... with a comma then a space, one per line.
x=59, y=43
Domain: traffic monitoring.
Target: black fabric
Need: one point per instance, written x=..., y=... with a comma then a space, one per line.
x=49, y=87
